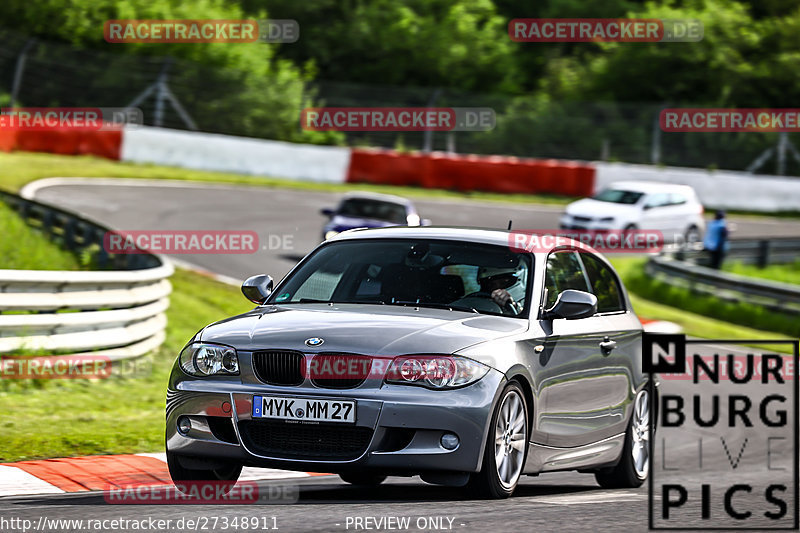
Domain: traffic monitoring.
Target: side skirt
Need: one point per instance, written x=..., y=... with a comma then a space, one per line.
x=548, y=459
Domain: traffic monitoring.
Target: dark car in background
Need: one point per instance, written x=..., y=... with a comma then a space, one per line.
x=370, y=210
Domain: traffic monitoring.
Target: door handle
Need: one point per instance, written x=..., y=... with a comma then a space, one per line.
x=607, y=345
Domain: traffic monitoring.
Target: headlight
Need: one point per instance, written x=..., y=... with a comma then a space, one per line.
x=607, y=219
x=435, y=371
x=202, y=359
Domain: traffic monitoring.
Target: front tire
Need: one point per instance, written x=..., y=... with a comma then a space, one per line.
x=506, y=447
x=633, y=466
x=225, y=476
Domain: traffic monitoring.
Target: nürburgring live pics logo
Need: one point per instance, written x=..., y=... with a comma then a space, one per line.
x=724, y=445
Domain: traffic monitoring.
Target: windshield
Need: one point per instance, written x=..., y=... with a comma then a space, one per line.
x=373, y=209
x=460, y=276
x=618, y=196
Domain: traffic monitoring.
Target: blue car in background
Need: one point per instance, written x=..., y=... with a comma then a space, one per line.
x=370, y=210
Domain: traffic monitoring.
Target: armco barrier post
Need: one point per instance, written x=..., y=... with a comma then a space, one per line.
x=763, y=253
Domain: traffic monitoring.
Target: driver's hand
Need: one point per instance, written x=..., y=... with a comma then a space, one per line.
x=502, y=298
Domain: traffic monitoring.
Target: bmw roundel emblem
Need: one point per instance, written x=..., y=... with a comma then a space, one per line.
x=314, y=341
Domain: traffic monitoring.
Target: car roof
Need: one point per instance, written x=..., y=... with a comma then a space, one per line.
x=452, y=233
x=377, y=196
x=649, y=186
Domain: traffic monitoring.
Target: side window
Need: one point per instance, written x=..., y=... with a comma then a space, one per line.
x=604, y=285
x=657, y=200
x=677, y=199
x=563, y=272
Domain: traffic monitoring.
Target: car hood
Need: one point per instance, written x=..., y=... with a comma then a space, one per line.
x=363, y=329
x=595, y=208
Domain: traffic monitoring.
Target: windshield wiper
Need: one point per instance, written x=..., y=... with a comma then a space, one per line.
x=449, y=307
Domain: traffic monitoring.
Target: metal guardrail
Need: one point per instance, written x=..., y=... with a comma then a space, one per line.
x=120, y=311
x=685, y=268
x=761, y=252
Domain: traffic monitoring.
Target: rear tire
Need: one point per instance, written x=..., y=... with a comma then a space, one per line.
x=507, y=443
x=225, y=476
x=633, y=466
x=692, y=236
x=362, y=480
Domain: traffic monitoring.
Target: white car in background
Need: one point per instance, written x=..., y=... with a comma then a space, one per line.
x=633, y=205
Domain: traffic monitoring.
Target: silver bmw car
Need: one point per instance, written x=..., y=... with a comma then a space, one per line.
x=441, y=352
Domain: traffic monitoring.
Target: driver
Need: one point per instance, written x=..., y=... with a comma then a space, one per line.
x=500, y=285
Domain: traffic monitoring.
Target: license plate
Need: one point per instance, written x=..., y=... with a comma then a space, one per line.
x=304, y=409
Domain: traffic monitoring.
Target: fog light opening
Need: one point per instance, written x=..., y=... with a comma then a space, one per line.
x=184, y=425
x=450, y=441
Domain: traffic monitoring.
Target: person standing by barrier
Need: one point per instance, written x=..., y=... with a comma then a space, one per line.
x=716, y=239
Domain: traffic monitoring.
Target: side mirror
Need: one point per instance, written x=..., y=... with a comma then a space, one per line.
x=327, y=211
x=257, y=288
x=572, y=304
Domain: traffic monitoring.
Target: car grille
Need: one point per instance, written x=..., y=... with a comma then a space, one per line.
x=279, y=367
x=339, y=371
x=305, y=441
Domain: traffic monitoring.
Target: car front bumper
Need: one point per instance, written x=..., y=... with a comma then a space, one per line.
x=568, y=222
x=400, y=426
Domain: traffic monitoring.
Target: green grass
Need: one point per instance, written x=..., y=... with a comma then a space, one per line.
x=19, y=168
x=786, y=273
x=698, y=315
x=25, y=248
x=120, y=414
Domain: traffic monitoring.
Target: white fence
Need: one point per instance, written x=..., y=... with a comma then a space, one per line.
x=121, y=312
x=240, y=155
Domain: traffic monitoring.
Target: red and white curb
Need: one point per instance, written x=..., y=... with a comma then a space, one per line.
x=103, y=472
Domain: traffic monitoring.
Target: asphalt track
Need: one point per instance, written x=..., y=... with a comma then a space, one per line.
x=288, y=222
x=550, y=502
